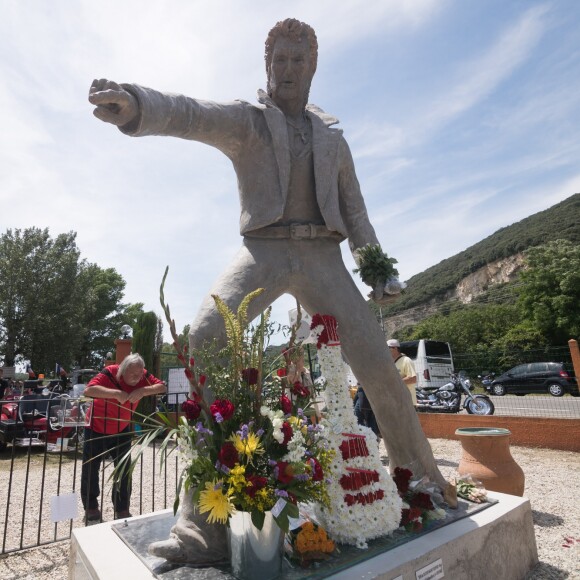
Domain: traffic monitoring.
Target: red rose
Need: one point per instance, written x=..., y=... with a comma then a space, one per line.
x=422, y=501
x=287, y=430
x=188, y=373
x=402, y=478
x=285, y=472
x=257, y=483
x=191, y=361
x=224, y=407
x=228, y=454
x=286, y=405
x=300, y=390
x=317, y=473
x=250, y=376
x=281, y=372
x=202, y=379
x=191, y=409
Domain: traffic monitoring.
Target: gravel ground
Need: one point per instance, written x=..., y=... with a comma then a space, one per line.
x=551, y=484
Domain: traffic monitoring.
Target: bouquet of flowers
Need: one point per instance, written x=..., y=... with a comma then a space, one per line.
x=310, y=543
x=253, y=448
x=419, y=506
x=471, y=489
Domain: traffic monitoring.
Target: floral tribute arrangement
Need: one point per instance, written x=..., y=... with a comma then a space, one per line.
x=310, y=543
x=364, y=503
x=419, y=506
x=253, y=448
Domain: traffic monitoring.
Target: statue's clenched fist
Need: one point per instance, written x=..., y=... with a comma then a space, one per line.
x=113, y=103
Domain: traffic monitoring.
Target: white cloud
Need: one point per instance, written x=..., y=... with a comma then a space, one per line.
x=139, y=204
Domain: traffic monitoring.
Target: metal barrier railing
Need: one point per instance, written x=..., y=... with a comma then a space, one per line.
x=40, y=500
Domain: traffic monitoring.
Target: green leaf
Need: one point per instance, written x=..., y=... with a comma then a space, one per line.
x=258, y=518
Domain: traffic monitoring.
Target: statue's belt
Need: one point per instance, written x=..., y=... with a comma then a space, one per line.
x=294, y=232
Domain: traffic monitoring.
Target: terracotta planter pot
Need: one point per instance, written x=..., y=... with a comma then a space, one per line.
x=486, y=456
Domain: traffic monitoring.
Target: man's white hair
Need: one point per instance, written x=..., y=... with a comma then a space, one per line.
x=133, y=360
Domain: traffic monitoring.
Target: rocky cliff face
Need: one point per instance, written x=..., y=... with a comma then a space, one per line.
x=478, y=282
x=498, y=272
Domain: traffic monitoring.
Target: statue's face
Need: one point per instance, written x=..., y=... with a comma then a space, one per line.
x=290, y=71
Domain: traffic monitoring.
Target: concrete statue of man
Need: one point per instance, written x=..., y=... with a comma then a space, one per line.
x=299, y=198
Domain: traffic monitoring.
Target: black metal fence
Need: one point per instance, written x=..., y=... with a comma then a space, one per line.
x=40, y=500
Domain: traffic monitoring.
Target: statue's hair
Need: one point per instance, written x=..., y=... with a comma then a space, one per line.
x=134, y=359
x=296, y=31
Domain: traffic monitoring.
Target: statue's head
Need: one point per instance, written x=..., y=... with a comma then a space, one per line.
x=290, y=40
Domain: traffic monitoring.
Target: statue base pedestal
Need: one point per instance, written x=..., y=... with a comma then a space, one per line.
x=495, y=542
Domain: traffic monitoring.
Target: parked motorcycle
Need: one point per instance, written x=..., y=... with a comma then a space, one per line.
x=486, y=380
x=41, y=418
x=452, y=397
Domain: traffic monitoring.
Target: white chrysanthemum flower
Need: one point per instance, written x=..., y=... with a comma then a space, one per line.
x=296, y=448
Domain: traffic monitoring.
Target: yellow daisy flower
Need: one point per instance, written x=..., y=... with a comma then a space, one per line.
x=237, y=478
x=248, y=447
x=213, y=500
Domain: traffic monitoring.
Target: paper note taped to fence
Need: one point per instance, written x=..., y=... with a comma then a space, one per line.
x=64, y=507
x=433, y=571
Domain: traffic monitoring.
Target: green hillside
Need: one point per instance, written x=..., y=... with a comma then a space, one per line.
x=561, y=221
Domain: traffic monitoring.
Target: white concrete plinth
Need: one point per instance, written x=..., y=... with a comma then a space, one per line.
x=497, y=542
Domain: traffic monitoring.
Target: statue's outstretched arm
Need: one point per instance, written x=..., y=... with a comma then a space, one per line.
x=113, y=103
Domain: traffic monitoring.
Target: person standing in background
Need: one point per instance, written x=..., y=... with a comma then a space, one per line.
x=115, y=391
x=405, y=367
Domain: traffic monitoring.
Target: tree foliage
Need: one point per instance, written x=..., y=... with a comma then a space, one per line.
x=549, y=295
x=147, y=337
x=54, y=306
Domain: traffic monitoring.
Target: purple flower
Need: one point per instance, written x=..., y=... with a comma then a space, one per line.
x=218, y=417
x=221, y=467
x=276, y=472
x=300, y=412
x=302, y=477
x=281, y=492
x=201, y=429
x=260, y=432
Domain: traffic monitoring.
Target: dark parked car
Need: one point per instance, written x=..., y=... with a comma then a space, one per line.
x=537, y=377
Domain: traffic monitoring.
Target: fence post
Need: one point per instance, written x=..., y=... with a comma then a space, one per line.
x=575, y=353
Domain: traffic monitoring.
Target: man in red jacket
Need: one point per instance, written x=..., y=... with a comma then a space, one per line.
x=116, y=391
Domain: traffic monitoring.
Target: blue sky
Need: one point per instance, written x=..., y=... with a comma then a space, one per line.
x=462, y=117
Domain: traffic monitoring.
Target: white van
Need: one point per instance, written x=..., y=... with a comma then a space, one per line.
x=432, y=359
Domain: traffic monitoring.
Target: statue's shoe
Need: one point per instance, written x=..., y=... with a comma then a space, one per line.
x=174, y=550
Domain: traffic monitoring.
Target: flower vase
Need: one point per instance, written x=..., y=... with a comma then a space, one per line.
x=255, y=553
x=486, y=456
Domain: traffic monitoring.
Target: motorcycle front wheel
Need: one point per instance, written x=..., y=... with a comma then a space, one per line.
x=480, y=405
